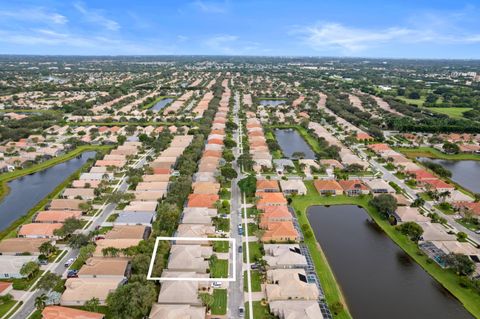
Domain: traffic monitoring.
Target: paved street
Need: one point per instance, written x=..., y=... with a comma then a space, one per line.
x=235, y=297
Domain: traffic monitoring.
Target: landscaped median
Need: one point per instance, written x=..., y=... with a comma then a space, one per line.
x=470, y=299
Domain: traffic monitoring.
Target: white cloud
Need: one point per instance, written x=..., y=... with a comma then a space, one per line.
x=96, y=17
x=90, y=44
x=211, y=7
x=35, y=15
x=222, y=43
x=349, y=40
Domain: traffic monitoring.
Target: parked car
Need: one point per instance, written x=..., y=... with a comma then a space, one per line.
x=72, y=274
x=240, y=249
x=216, y=284
x=69, y=262
x=241, y=311
x=240, y=230
x=254, y=266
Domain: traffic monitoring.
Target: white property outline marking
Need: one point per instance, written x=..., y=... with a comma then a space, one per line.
x=152, y=261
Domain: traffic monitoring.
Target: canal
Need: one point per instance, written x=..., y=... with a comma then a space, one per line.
x=290, y=142
x=378, y=279
x=25, y=192
x=161, y=104
x=465, y=173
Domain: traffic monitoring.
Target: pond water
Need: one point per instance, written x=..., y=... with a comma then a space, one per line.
x=378, y=279
x=290, y=142
x=272, y=102
x=25, y=192
x=161, y=104
x=465, y=173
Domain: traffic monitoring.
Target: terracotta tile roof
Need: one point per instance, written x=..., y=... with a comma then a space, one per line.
x=280, y=230
x=326, y=185
x=352, y=184
x=21, y=245
x=267, y=184
x=422, y=175
x=202, y=200
x=57, y=312
x=438, y=183
x=56, y=215
x=271, y=198
x=39, y=229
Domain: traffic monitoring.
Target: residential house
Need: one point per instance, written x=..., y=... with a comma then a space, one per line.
x=176, y=311
x=268, y=186
x=39, y=230
x=284, y=256
x=280, y=232
x=294, y=186
x=10, y=266
x=21, y=246
x=80, y=290
x=58, y=312
x=353, y=187
x=296, y=309
x=328, y=187
x=99, y=267
x=289, y=284
x=379, y=186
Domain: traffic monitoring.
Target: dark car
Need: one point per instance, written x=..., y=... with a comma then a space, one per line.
x=240, y=249
x=72, y=274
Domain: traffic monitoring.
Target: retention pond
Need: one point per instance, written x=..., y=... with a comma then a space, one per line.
x=26, y=191
x=379, y=280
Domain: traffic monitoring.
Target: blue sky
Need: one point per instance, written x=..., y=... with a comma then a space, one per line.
x=393, y=28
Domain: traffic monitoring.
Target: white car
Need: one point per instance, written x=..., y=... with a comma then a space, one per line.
x=69, y=262
x=216, y=284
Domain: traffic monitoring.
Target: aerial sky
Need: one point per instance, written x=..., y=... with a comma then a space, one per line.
x=381, y=29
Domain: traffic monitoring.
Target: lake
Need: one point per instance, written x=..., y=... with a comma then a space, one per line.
x=465, y=173
x=378, y=279
x=25, y=192
x=272, y=102
x=290, y=142
x=161, y=104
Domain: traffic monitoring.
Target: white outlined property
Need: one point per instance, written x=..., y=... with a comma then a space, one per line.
x=232, y=245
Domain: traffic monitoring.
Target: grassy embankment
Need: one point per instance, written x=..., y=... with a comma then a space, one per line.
x=469, y=298
x=431, y=152
x=4, y=178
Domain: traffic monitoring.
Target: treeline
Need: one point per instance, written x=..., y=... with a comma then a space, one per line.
x=33, y=124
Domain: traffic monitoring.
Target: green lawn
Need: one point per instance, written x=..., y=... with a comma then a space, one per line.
x=430, y=152
x=256, y=281
x=455, y=112
x=6, y=307
x=417, y=102
x=221, y=246
x=24, y=283
x=219, y=306
x=469, y=298
x=219, y=269
x=259, y=311
x=254, y=250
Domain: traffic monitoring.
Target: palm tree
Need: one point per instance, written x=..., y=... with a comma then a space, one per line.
x=41, y=301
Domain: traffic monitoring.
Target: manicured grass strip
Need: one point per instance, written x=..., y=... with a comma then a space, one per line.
x=454, y=112
x=330, y=286
x=219, y=306
x=431, y=152
x=221, y=246
x=469, y=298
x=6, y=307
x=24, y=283
x=255, y=252
x=259, y=311
x=219, y=269
x=256, y=281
